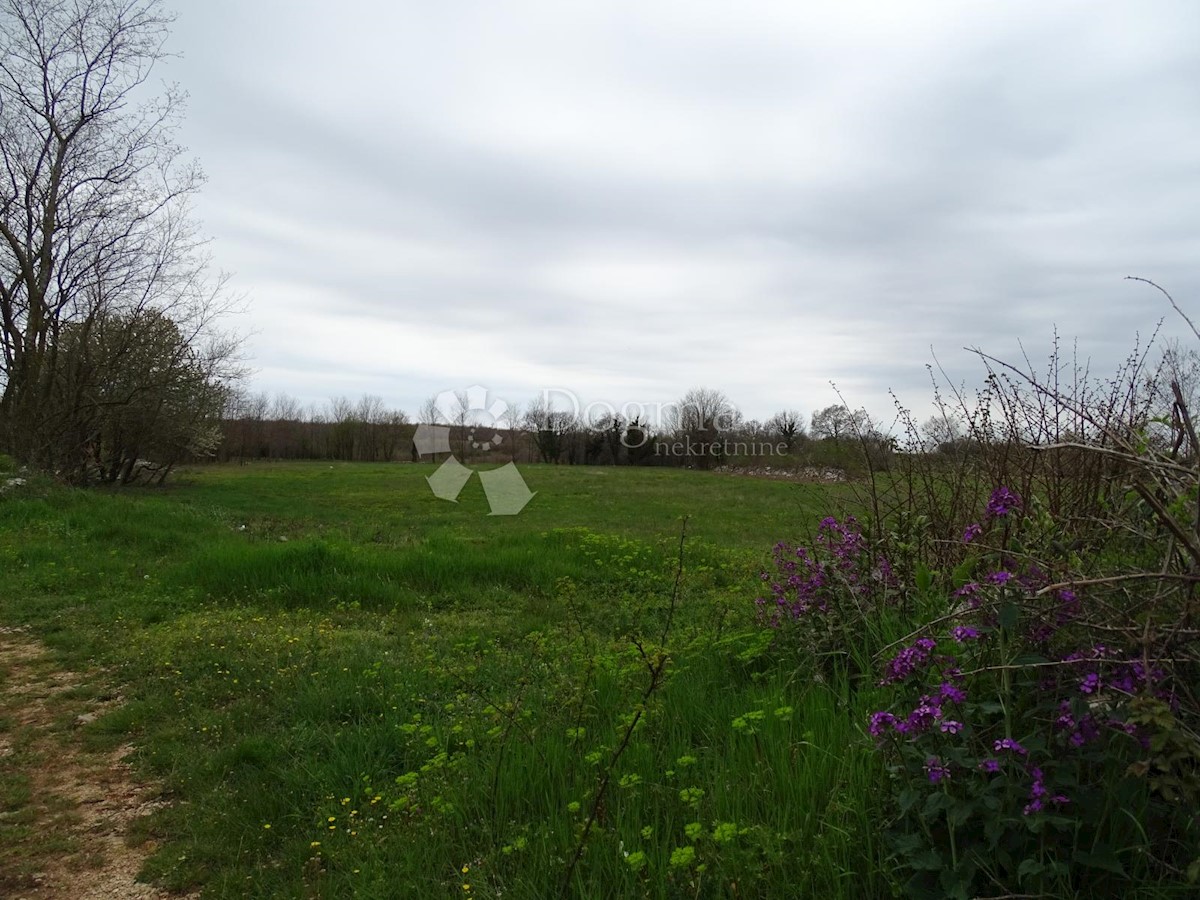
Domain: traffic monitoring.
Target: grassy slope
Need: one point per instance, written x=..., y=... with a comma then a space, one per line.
x=404, y=687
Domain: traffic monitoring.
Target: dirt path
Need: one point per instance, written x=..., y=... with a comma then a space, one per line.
x=65, y=812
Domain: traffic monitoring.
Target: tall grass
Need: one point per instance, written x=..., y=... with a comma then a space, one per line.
x=425, y=706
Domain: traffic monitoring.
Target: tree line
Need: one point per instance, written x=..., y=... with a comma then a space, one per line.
x=702, y=429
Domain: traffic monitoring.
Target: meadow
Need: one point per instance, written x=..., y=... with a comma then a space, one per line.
x=351, y=688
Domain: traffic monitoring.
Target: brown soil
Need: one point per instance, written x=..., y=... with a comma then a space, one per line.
x=65, y=811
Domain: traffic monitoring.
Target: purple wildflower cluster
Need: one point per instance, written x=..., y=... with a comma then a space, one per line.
x=1003, y=705
x=910, y=660
x=811, y=581
x=1095, y=678
x=1002, y=502
x=1079, y=730
x=1037, y=794
x=1104, y=683
x=969, y=592
x=928, y=712
x=936, y=770
x=1008, y=745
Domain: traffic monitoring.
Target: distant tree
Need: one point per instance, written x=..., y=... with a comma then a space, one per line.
x=638, y=442
x=550, y=429
x=610, y=429
x=839, y=423
x=700, y=417
x=510, y=422
x=942, y=432
x=428, y=413
x=393, y=429
x=461, y=416
x=344, y=428
x=285, y=408
x=369, y=417
x=789, y=425
x=250, y=414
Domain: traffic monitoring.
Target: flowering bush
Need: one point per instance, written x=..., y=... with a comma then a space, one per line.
x=829, y=597
x=1022, y=749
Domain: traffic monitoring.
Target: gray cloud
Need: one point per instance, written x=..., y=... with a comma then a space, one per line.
x=631, y=199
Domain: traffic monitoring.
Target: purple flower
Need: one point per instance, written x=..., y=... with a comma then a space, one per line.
x=909, y=660
x=1065, y=721
x=949, y=726
x=1039, y=786
x=1037, y=794
x=990, y=765
x=1000, y=577
x=923, y=716
x=972, y=532
x=952, y=692
x=1068, y=606
x=1009, y=744
x=963, y=633
x=880, y=721
x=935, y=770
x=1090, y=683
x=1002, y=502
x=969, y=591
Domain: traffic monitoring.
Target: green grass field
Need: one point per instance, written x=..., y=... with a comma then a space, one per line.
x=353, y=689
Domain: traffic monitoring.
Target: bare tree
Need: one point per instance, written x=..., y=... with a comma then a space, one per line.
x=551, y=429
x=700, y=417
x=391, y=431
x=370, y=416
x=285, y=428
x=285, y=408
x=610, y=430
x=703, y=409
x=789, y=425
x=510, y=421
x=95, y=231
x=942, y=431
x=460, y=417
x=840, y=423
x=428, y=413
x=342, y=417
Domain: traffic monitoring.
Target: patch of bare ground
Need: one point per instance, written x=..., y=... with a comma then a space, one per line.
x=65, y=811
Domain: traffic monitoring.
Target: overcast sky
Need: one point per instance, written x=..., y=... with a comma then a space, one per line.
x=626, y=200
